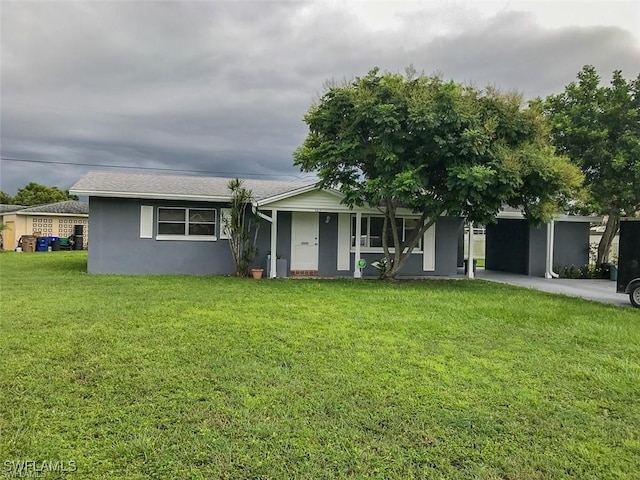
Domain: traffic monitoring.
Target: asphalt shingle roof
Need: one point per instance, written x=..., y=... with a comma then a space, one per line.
x=4, y=208
x=149, y=184
x=73, y=207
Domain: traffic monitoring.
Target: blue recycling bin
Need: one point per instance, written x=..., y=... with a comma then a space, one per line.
x=42, y=244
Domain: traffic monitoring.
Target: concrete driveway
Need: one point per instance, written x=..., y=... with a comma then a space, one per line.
x=598, y=290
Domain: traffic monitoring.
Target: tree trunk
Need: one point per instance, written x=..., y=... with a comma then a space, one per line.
x=403, y=253
x=607, y=237
x=385, y=247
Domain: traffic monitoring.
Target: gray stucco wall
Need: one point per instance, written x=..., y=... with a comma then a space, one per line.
x=283, y=242
x=328, y=246
x=515, y=246
x=570, y=246
x=116, y=246
x=537, y=250
x=571, y=243
x=446, y=251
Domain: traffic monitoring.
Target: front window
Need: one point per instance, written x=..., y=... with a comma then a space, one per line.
x=187, y=222
x=371, y=231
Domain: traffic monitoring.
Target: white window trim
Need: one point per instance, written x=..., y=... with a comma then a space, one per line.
x=186, y=236
x=363, y=249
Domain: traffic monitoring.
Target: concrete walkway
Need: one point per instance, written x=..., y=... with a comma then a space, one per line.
x=598, y=290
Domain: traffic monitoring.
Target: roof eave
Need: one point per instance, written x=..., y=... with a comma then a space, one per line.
x=149, y=196
x=52, y=214
x=292, y=193
x=578, y=218
x=560, y=217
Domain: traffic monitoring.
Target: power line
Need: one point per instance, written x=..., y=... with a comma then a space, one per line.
x=81, y=164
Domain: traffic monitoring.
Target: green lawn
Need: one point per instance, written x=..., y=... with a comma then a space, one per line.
x=209, y=377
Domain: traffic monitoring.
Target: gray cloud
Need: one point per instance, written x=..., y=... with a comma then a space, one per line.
x=223, y=86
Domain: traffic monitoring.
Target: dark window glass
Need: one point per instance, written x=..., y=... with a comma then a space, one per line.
x=371, y=231
x=171, y=229
x=173, y=221
x=363, y=232
x=202, y=229
x=202, y=215
x=171, y=214
x=411, y=224
x=375, y=231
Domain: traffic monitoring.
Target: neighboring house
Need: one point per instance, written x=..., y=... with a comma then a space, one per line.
x=514, y=245
x=161, y=224
x=594, y=240
x=50, y=220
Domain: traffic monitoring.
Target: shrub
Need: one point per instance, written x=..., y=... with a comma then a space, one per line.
x=585, y=271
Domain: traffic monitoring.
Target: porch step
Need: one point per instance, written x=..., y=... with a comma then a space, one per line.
x=304, y=273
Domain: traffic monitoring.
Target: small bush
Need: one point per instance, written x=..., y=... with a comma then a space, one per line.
x=585, y=271
x=380, y=265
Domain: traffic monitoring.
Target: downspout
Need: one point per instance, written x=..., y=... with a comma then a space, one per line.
x=470, y=272
x=254, y=209
x=549, y=273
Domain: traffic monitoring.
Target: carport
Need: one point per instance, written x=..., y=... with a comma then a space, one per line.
x=514, y=245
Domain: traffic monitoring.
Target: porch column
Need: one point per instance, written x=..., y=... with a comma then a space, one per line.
x=274, y=243
x=356, y=269
x=470, y=259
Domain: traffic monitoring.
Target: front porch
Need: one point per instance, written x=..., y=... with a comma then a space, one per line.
x=316, y=233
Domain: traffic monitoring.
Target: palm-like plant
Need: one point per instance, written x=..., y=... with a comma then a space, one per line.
x=239, y=224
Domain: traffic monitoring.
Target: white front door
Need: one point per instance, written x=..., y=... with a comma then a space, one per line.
x=304, y=241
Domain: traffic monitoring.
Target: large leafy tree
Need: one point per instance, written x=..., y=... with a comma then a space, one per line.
x=598, y=127
x=414, y=141
x=5, y=198
x=36, y=194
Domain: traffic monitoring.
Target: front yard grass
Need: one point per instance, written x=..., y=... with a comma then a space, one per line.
x=210, y=377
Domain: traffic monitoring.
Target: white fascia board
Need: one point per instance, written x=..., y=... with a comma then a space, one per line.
x=404, y=213
x=400, y=212
x=282, y=196
x=510, y=215
x=150, y=196
x=578, y=218
x=314, y=210
x=335, y=192
x=557, y=218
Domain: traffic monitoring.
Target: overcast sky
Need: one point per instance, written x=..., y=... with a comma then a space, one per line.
x=221, y=86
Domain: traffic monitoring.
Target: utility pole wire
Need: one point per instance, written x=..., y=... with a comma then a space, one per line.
x=81, y=164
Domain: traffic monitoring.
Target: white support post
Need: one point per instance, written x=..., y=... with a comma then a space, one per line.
x=274, y=243
x=357, y=273
x=470, y=273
